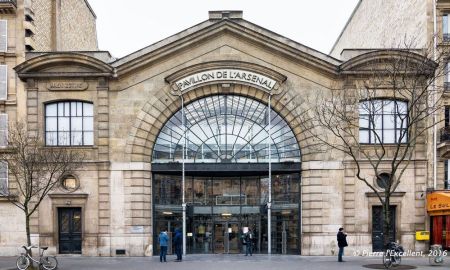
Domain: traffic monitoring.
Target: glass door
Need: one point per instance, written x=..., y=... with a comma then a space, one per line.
x=226, y=237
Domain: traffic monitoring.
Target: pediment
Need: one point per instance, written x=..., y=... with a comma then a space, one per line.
x=384, y=60
x=240, y=29
x=64, y=65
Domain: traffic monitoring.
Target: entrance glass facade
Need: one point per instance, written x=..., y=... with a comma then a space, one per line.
x=226, y=177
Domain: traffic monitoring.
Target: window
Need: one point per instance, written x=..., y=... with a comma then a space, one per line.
x=69, y=123
x=3, y=35
x=3, y=130
x=447, y=175
x=3, y=178
x=445, y=30
x=447, y=77
x=226, y=129
x=383, y=180
x=383, y=121
x=70, y=183
x=3, y=82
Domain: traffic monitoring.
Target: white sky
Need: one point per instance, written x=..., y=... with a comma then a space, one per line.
x=125, y=26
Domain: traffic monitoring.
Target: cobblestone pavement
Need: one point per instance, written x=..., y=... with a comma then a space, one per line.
x=219, y=262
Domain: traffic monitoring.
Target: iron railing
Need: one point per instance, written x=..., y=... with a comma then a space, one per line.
x=446, y=37
x=9, y=1
x=445, y=134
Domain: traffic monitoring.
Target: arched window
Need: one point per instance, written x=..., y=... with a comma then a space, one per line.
x=383, y=121
x=69, y=123
x=226, y=129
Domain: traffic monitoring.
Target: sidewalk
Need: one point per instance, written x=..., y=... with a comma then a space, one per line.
x=225, y=262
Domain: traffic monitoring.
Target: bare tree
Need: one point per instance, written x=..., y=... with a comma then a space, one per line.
x=379, y=122
x=35, y=168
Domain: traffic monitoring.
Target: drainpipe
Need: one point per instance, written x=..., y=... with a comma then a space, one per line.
x=434, y=98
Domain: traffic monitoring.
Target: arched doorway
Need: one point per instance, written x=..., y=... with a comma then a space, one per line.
x=226, y=176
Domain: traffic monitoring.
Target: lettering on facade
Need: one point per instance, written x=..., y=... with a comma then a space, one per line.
x=67, y=86
x=225, y=75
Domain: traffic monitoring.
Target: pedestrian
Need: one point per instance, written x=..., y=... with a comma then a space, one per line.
x=342, y=243
x=178, y=242
x=163, y=241
x=248, y=237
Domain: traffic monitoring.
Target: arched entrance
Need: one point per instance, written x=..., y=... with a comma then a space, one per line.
x=226, y=179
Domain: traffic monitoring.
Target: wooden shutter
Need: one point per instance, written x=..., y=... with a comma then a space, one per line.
x=3, y=130
x=3, y=82
x=3, y=35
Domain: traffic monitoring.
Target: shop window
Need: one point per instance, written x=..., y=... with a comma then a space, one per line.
x=383, y=121
x=69, y=123
x=3, y=178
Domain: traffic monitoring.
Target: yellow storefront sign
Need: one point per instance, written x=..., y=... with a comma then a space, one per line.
x=438, y=203
x=422, y=235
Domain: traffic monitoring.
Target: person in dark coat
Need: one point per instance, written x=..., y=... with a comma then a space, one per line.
x=248, y=237
x=342, y=242
x=178, y=242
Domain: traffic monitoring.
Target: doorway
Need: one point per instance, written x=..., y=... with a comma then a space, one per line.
x=226, y=238
x=69, y=223
x=377, y=227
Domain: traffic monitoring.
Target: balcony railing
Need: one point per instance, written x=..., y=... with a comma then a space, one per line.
x=445, y=134
x=446, y=37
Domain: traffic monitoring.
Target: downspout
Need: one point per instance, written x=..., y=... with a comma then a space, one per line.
x=434, y=98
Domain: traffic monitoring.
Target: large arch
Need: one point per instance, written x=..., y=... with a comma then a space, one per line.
x=159, y=108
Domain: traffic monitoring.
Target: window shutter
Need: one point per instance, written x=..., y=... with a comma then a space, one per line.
x=3, y=35
x=3, y=82
x=3, y=178
x=3, y=130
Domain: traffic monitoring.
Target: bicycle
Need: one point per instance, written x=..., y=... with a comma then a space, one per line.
x=393, y=255
x=46, y=262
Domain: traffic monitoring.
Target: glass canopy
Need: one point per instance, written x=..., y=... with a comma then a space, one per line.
x=226, y=129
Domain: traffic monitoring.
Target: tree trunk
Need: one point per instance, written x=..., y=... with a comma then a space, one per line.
x=27, y=227
x=386, y=222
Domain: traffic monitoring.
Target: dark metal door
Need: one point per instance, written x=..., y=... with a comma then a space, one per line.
x=69, y=220
x=377, y=227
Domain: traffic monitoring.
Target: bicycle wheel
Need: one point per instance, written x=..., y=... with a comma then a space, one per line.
x=397, y=260
x=387, y=260
x=49, y=263
x=22, y=262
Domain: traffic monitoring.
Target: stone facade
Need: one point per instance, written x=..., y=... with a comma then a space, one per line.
x=64, y=25
x=385, y=24
x=133, y=99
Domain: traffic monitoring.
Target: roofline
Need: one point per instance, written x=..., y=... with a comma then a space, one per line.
x=90, y=8
x=346, y=25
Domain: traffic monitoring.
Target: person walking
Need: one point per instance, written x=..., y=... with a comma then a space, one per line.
x=342, y=243
x=248, y=237
x=178, y=242
x=163, y=241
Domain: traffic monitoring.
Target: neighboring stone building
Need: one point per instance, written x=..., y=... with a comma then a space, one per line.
x=176, y=135
x=424, y=25
x=33, y=25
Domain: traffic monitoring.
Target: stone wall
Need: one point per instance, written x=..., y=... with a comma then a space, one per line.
x=76, y=26
x=384, y=24
x=64, y=25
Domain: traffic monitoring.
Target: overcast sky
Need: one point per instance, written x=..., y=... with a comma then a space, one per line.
x=125, y=26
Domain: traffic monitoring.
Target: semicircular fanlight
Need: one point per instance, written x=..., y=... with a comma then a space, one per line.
x=226, y=129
